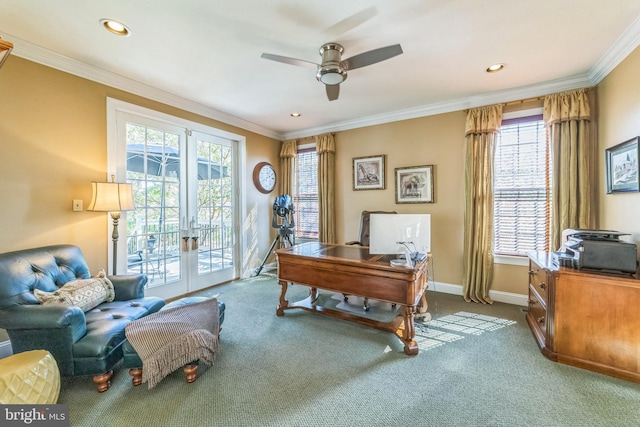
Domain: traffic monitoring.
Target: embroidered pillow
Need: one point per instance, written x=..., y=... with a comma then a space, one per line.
x=83, y=293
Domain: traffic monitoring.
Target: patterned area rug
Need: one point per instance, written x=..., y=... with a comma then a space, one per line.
x=455, y=327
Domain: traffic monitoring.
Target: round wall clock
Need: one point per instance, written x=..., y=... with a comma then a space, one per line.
x=264, y=177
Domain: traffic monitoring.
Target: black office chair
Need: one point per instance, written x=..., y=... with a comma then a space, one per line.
x=364, y=234
x=364, y=227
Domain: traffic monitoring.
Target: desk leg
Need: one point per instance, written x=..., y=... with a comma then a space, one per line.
x=421, y=313
x=408, y=331
x=283, y=301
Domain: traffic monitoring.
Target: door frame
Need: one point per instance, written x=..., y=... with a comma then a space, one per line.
x=116, y=165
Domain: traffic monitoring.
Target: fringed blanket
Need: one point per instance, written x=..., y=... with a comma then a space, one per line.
x=171, y=338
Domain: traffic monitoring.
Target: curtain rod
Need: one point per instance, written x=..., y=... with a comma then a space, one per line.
x=537, y=98
x=522, y=101
x=313, y=137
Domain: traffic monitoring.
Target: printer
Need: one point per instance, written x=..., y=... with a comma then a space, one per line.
x=598, y=250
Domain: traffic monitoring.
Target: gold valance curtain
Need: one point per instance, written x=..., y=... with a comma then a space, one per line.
x=326, y=149
x=288, y=152
x=481, y=130
x=567, y=117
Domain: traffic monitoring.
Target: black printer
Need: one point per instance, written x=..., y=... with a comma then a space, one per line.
x=598, y=250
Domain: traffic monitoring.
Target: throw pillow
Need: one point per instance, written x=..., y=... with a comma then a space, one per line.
x=83, y=293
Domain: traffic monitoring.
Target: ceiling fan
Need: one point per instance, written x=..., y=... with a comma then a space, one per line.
x=333, y=69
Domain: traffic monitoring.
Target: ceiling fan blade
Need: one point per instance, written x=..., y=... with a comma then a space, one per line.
x=371, y=57
x=351, y=22
x=333, y=91
x=290, y=61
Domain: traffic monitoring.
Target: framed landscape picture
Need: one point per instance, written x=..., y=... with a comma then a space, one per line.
x=414, y=184
x=622, y=167
x=369, y=172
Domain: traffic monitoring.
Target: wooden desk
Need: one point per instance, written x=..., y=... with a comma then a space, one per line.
x=585, y=319
x=352, y=270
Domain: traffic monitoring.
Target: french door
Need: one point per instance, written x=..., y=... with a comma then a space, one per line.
x=183, y=232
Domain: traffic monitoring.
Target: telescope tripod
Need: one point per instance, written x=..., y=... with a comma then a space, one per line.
x=284, y=237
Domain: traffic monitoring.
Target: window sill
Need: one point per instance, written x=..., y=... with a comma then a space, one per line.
x=511, y=260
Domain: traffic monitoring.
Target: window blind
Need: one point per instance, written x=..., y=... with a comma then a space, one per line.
x=522, y=197
x=305, y=197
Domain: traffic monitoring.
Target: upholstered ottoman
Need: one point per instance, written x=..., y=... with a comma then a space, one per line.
x=133, y=362
x=30, y=377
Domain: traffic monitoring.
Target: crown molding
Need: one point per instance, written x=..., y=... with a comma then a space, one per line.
x=40, y=55
x=523, y=92
x=623, y=46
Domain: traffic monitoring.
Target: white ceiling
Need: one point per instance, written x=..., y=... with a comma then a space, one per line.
x=204, y=55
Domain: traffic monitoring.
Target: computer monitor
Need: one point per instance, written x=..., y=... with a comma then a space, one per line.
x=400, y=234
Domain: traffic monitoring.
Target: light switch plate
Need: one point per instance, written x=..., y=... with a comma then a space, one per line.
x=77, y=205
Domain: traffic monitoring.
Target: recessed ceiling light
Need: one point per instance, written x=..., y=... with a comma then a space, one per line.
x=295, y=114
x=495, y=68
x=115, y=27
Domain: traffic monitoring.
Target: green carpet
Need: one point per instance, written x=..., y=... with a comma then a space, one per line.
x=308, y=370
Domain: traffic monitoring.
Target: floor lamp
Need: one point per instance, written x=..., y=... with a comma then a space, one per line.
x=113, y=197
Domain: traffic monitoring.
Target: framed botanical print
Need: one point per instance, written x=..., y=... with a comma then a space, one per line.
x=369, y=172
x=414, y=184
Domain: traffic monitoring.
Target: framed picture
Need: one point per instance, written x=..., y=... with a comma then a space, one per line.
x=622, y=167
x=414, y=184
x=369, y=172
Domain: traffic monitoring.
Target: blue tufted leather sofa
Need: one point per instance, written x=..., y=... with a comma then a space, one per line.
x=81, y=343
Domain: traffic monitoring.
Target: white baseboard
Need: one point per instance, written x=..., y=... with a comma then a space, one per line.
x=5, y=349
x=500, y=296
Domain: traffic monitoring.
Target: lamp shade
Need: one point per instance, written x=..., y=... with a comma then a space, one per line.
x=5, y=50
x=111, y=197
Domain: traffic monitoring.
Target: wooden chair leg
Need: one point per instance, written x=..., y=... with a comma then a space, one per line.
x=191, y=371
x=102, y=381
x=136, y=374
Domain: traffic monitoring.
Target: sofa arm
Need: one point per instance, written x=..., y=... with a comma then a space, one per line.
x=129, y=286
x=36, y=316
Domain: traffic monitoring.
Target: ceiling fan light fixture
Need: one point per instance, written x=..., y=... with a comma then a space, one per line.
x=331, y=72
x=331, y=75
x=115, y=27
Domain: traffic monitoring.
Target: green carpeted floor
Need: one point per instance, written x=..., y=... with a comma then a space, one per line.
x=307, y=370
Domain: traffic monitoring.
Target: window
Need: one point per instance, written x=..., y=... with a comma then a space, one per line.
x=522, y=178
x=305, y=193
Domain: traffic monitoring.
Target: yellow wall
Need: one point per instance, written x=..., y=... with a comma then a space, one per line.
x=53, y=140
x=618, y=121
x=435, y=140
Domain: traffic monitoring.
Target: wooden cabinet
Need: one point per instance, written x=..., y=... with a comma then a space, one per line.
x=585, y=319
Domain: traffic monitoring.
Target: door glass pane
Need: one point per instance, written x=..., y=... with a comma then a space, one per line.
x=153, y=229
x=214, y=196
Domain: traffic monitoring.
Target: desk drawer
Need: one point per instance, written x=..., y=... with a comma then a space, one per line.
x=537, y=313
x=539, y=280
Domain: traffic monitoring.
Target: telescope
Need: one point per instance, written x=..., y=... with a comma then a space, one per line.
x=282, y=219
